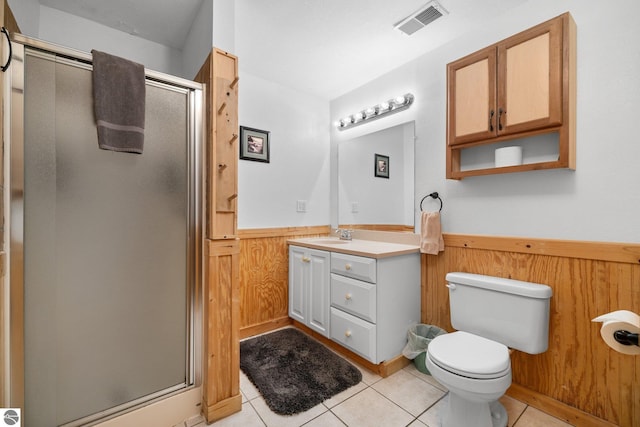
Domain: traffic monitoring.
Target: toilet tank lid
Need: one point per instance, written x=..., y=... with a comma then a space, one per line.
x=500, y=284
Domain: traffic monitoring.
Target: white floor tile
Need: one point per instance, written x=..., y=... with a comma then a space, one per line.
x=368, y=377
x=514, y=408
x=328, y=419
x=410, y=393
x=271, y=419
x=424, y=377
x=393, y=401
x=246, y=386
x=341, y=397
x=369, y=408
x=533, y=417
x=432, y=417
x=248, y=417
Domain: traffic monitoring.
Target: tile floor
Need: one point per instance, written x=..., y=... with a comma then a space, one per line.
x=406, y=398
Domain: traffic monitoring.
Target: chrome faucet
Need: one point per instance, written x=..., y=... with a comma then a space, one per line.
x=344, y=233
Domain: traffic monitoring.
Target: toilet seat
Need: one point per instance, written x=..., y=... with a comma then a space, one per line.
x=470, y=355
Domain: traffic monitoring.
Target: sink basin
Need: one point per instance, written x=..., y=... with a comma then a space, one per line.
x=331, y=241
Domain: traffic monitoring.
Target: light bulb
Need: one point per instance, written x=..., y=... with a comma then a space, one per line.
x=358, y=116
x=400, y=100
x=384, y=106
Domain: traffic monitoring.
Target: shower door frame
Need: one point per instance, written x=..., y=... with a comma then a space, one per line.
x=14, y=221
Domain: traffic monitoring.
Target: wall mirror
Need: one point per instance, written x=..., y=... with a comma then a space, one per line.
x=376, y=180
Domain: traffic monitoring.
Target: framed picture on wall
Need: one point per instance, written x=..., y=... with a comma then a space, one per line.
x=254, y=144
x=381, y=166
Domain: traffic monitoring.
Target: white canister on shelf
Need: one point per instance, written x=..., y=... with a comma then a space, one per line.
x=508, y=156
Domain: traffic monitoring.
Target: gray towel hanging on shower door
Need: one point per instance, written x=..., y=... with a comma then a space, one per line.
x=119, y=102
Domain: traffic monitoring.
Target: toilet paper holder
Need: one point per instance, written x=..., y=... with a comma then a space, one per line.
x=626, y=337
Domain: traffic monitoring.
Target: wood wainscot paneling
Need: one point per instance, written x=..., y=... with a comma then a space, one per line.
x=579, y=378
x=379, y=227
x=264, y=276
x=221, y=382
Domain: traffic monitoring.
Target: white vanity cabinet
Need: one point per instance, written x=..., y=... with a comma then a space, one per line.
x=374, y=301
x=309, y=283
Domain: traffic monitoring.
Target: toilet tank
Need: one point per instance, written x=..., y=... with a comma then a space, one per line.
x=511, y=312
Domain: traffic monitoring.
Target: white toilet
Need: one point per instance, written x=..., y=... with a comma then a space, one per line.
x=490, y=315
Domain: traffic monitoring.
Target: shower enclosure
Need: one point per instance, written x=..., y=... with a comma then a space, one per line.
x=105, y=246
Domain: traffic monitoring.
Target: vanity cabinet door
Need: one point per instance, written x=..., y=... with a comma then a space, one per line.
x=318, y=296
x=309, y=284
x=297, y=294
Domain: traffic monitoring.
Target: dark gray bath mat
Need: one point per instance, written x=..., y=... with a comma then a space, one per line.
x=293, y=372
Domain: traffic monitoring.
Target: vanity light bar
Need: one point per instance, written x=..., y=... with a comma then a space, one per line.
x=394, y=105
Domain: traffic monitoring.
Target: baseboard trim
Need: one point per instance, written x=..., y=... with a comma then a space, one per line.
x=383, y=369
x=262, y=328
x=556, y=408
x=222, y=409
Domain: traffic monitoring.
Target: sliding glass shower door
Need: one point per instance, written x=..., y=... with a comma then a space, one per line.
x=109, y=248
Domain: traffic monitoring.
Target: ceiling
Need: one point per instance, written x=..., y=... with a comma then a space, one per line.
x=323, y=47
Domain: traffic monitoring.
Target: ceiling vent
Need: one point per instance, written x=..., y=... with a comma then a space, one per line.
x=421, y=18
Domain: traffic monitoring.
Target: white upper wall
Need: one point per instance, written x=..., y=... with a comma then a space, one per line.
x=299, y=156
x=78, y=33
x=213, y=26
x=599, y=201
x=27, y=13
x=198, y=43
x=224, y=13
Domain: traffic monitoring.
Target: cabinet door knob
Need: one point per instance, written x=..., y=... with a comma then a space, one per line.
x=347, y=296
x=347, y=267
x=347, y=333
x=306, y=259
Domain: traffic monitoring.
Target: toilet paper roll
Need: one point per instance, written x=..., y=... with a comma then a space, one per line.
x=508, y=156
x=621, y=320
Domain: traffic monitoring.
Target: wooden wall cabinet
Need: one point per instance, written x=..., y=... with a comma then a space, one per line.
x=521, y=86
x=221, y=294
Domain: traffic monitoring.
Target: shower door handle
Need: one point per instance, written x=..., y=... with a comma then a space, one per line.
x=6, y=66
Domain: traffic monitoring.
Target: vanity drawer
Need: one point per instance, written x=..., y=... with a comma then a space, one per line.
x=354, y=333
x=358, y=267
x=354, y=296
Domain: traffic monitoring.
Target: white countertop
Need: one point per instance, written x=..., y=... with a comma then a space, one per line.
x=361, y=247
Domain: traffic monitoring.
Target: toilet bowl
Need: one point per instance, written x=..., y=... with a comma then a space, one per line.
x=477, y=372
x=491, y=315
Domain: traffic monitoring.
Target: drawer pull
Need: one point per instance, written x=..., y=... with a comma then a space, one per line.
x=347, y=296
x=347, y=267
x=306, y=259
x=347, y=333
